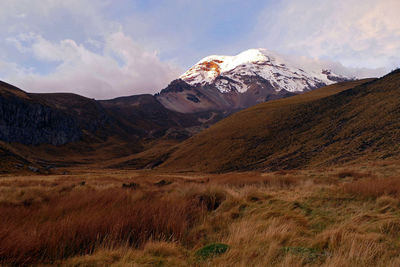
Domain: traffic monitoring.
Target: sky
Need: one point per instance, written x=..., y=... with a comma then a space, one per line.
x=108, y=48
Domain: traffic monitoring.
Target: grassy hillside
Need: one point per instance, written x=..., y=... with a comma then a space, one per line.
x=335, y=124
x=10, y=161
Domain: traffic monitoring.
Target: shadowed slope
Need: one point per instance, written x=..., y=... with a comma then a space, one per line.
x=64, y=129
x=330, y=125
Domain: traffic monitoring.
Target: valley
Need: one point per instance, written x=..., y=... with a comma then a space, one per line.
x=127, y=132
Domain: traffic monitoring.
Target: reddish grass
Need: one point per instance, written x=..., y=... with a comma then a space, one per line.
x=353, y=174
x=79, y=222
x=374, y=187
x=282, y=180
x=237, y=179
x=24, y=183
x=210, y=199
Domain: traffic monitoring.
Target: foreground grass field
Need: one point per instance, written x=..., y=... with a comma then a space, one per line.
x=346, y=216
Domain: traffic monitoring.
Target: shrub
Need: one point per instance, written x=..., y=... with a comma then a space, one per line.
x=163, y=183
x=212, y=250
x=210, y=199
x=353, y=174
x=131, y=185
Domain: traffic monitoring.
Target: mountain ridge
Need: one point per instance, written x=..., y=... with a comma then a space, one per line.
x=237, y=82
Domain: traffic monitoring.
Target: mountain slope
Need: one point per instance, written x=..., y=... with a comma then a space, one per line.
x=146, y=117
x=330, y=125
x=237, y=82
x=64, y=128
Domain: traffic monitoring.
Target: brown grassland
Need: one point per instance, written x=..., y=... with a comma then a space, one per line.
x=345, y=216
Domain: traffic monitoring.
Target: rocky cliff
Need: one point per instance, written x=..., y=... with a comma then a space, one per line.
x=23, y=120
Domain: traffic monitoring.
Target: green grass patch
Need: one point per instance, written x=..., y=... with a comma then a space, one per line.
x=310, y=255
x=212, y=250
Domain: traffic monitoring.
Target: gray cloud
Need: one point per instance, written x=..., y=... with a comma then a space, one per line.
x=317, y=64
x=357, y=33
x=69, y=46
x=122, y=68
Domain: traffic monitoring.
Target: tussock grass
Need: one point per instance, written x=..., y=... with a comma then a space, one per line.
x=352, y=174
x=81, y=222
x=284, y=218
x=374, y=187
x=281, y=181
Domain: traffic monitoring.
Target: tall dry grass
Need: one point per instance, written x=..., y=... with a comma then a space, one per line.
x=374, y=187
x=80, y=222
x=281, y=179
x=304, y=218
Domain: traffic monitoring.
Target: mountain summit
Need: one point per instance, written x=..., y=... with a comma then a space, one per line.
x=232, y=70
x=236, y=82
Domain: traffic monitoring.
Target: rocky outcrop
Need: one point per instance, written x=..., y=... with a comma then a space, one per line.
x=27, y=122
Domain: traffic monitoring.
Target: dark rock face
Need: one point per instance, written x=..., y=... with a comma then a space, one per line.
x=192, y=98
x=177, y=86
x=89, y=112
x=30, y=123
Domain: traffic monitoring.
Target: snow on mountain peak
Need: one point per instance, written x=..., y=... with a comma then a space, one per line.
x=208, y=68
x=232, y=71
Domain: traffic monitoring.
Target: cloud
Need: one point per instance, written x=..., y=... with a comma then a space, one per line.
x=122, y=68
x=316, y=64
x=358, y=33
x=72, y=46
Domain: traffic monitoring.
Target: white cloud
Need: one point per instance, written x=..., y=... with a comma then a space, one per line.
x=70, y=46
x=12, y=69
x=317, y=64
x=358, y=33
x=122, y=68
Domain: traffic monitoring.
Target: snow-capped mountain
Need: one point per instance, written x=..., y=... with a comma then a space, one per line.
x=255, y=62
x=234, y=82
